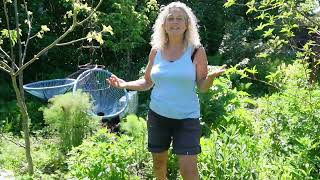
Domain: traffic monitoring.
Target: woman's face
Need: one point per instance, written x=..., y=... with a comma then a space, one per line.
x=176, y=22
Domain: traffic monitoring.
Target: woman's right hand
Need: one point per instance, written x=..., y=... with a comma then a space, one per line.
x=114, y=81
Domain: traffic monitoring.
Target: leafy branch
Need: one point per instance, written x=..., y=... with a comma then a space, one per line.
x=54, y=43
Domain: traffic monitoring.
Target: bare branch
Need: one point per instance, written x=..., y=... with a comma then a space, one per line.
x=71, y=42
x=268, y=9
x=16, y=13
x=45, y=49
x=9, y=58
x=5, y=54
x=6, y=67
x=8, y=27
x=306, y=16
x=34, y=36
x=8, y=139
x=93, y=11
x=71, y=28
x=29, y=21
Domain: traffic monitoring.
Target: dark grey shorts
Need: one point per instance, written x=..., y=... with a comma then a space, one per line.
x=183, y=133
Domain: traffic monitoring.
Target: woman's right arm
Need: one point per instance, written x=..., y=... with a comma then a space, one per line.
x=138, y=85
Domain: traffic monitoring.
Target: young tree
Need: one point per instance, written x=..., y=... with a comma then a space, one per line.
x=283, y=23
x=13, y=50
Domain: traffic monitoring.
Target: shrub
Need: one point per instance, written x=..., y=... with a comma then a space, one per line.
x=291, y=118
x=222, y=106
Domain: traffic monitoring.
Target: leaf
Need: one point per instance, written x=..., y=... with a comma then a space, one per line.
x=268, y=32
x=313, y=30
x=85, y=7
x=44, y=28
x=251, y=9
x=229, y=3
x=263, y=55
x=98, y=37
x=252, y=71
x=39, y=35
x=89, y=36
x=262, y=16
x=10, y=34
x=260, y=27
x=107, y=29
x=69, y=14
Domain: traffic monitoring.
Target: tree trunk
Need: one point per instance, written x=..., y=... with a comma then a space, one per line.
x=129, y=63
x=25, y=123
x=314, y=64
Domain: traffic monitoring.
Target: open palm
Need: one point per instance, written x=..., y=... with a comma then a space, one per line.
x=215, y=72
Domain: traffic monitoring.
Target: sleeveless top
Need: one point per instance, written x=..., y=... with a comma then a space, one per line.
x=174, y=91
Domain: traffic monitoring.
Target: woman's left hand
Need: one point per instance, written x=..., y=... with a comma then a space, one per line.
x=216, y=72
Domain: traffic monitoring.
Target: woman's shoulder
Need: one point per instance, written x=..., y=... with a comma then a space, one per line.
x=196, y=46
x=154, y=49
x=152, y=53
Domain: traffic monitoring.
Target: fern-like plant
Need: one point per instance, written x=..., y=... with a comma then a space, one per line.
x=68, y=115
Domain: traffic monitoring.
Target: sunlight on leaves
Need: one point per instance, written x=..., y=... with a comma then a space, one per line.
x=229, y=3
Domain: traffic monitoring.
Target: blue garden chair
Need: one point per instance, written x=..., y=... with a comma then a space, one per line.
x=108, y=101
x=48, y=88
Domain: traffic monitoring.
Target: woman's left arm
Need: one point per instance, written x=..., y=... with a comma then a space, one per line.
x=204, y=79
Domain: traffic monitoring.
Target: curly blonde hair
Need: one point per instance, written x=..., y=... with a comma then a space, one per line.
x=159, y=37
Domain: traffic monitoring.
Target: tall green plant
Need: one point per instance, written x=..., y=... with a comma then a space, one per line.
x=69, y=116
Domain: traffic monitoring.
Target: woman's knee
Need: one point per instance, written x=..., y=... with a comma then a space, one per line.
x=188, y=166
x=160, y=159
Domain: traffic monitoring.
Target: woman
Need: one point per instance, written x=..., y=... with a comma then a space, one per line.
x=174, y=107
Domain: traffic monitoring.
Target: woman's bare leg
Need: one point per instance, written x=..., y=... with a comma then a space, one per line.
x=188, y=167
x=160, y=165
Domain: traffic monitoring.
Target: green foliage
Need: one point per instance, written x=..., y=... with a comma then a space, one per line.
x=228, y=155
x=292, y=119
x=127, y=35
x=47, y=159
x=10, y=116
x=134, y=126
x=222, y=105
x=9, y=34
x=107, y=156
x=291, y=76
x=215, y=59
x=12, y=156
x=69, y=116
x=240, y=43
x=212, y=21
x=281, y=140
x=281, y=24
